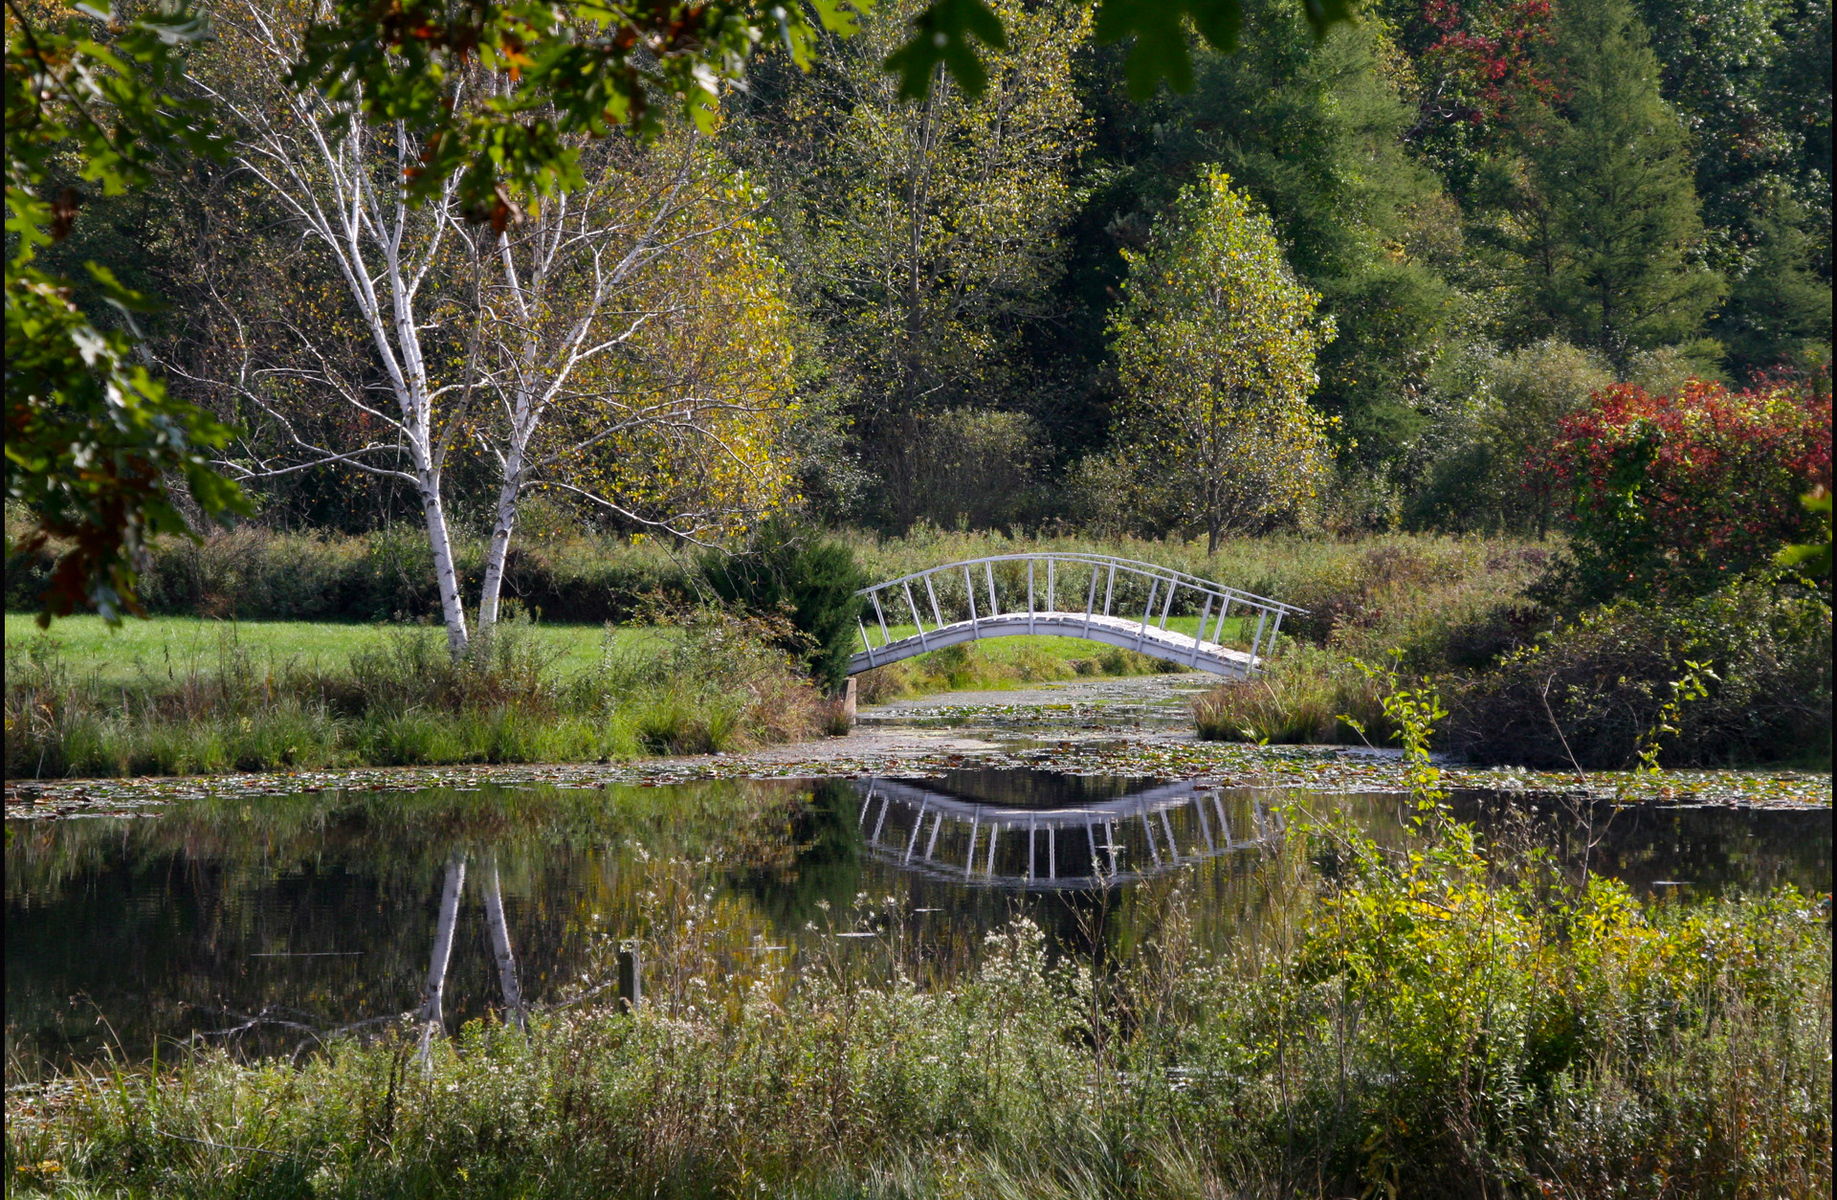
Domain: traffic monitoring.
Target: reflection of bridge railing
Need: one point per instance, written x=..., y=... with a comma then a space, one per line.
x=976, y=611
x=1083, y=846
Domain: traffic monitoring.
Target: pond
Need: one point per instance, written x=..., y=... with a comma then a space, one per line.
x=266, y=924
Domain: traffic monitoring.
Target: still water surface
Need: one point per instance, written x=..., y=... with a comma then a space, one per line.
x=320, y=911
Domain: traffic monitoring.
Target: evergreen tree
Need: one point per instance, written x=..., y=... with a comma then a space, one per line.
x=1612, y=224
x=1779, y=310
x=1314, y=131
x=1752, y=81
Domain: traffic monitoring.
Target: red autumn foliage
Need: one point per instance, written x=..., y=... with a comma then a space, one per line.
x=1674, y=494
x=1479, y=64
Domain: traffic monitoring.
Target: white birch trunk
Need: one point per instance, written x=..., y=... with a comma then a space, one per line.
x=540, y=352
x=343, y=186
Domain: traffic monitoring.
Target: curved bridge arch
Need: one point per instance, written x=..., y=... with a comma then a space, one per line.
x=964, y=604
x=1091, y=845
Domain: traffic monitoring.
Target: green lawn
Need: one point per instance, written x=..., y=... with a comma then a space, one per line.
x=1068, y=648
x=172, y=646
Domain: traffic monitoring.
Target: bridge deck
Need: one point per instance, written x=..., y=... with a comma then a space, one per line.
x=1115, y=631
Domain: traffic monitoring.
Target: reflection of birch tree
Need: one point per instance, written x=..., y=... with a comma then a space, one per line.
x=499, y=932
x=434, y=991
x=417, y=335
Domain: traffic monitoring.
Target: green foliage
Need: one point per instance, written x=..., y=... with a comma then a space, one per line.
x=558, y=70
x=385, y=575
x=1420, y=1019
x=810, y=580
x=1486, y=473
x=1591, y=689
x=1612, y=227
x=1814, y=558
x=1215, y=347
x=93, y=441
x=925, y=240
x=1751, y=78
x=1315, y=131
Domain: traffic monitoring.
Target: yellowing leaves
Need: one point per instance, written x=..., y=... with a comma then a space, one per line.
x=1215, y=346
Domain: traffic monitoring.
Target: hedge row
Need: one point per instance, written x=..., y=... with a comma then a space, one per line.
x=388, y=575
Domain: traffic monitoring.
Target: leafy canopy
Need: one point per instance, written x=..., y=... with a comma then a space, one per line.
x=1215, y=345
x=91, y=436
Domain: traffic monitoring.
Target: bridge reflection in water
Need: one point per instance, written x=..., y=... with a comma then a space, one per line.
x=1096, y=843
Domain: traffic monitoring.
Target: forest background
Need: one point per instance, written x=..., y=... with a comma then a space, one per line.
x=1455, y=181
x=1490, y=225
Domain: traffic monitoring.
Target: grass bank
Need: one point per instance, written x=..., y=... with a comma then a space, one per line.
x=1530, y=684
x=184, y=697
x=178, y=695
x=1459, y=1022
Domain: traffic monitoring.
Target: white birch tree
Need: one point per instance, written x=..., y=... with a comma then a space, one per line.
x=484, y=337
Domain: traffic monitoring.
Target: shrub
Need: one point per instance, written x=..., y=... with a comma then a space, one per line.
x=1675, y=494
x=1603, y=677
x=806, y=578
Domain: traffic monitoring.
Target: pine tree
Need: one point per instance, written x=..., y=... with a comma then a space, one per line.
x=1614, y=224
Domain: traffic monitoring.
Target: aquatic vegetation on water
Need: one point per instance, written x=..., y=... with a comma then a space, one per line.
x=1073, y=752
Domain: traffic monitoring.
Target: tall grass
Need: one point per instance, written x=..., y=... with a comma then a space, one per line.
x=976, y=667
x=710, y=683
x=1442, y=1024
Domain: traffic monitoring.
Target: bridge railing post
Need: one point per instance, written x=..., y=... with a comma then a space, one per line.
x=918, y=622
x=1262, y=616
x=885, y=637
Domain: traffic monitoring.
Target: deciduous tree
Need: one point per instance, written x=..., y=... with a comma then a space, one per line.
x=926, y=229
x=620, y=344
x=1215, y=345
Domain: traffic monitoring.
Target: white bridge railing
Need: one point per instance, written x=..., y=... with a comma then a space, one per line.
x=959, y=602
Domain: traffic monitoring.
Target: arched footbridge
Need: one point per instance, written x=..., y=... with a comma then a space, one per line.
x=1116, y=601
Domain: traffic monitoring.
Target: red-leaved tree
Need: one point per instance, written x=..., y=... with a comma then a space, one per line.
x=1672, y=495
